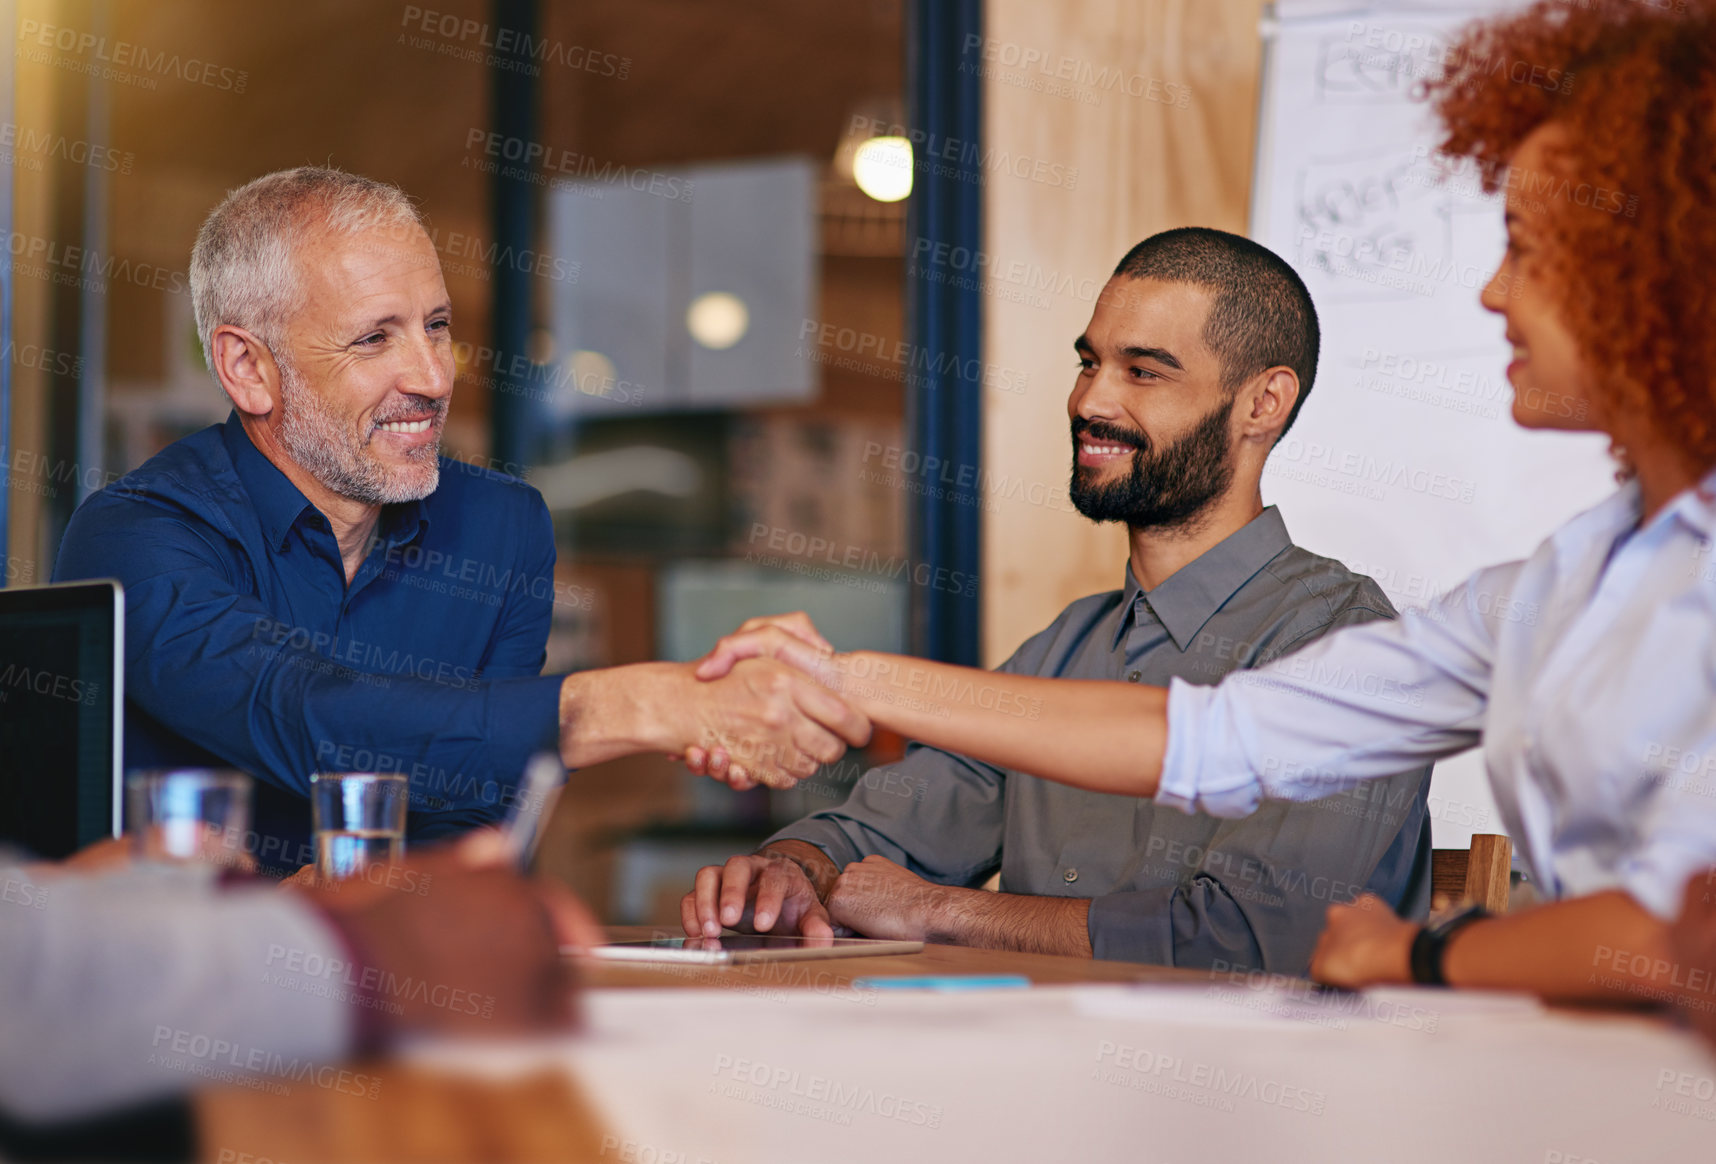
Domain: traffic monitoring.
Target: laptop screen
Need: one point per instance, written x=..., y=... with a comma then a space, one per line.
x=61, y=675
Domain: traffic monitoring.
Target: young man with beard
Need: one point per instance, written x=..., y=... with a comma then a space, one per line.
x=1199, y=355
x=311, y=587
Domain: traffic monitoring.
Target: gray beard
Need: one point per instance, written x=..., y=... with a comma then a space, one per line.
x=323, y=445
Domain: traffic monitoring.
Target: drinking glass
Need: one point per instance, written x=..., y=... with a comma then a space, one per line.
x=188, y=814
x=359, y=820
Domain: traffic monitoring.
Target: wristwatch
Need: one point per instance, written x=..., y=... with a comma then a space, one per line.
x=1431, y=944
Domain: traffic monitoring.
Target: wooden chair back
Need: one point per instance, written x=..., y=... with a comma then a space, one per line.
x=1480, y=873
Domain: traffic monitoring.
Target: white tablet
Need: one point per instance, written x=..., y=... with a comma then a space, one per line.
x=731, y=949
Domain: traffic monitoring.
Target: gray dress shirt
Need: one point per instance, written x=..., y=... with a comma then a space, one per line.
x=1167, y=887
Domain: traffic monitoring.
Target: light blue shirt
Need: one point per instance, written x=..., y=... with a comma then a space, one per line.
x=1586, y=672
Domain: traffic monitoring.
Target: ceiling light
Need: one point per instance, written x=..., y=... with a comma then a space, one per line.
x=882, y=167
x=718, y=320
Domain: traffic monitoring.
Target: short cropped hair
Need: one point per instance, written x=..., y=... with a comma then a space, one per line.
x=243, y=266
x=1262, y=315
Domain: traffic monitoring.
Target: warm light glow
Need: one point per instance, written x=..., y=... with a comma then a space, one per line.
x=718, y=320
x=882, y=168
x=583, y=373
x=592, y=373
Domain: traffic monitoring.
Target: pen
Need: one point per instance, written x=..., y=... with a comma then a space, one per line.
x=538, y=791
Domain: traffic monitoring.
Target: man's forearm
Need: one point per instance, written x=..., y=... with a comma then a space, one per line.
x=1103, y=736
x=616, y=712
x=1012, y=921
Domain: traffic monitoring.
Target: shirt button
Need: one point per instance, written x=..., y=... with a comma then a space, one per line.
x=1134, y=676
x=1071, y=875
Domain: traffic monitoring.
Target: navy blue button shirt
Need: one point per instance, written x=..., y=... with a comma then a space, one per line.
x=245, y=648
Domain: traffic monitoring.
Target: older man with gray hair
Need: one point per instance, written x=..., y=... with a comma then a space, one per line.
x=311, y=587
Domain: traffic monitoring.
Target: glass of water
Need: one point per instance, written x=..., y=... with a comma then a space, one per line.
x=188, y=814
x=359, y=818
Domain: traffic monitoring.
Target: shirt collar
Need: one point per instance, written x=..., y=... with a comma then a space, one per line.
x=1617, y=516
x=1185, y=602
x=1696, y=507
x=279, y=503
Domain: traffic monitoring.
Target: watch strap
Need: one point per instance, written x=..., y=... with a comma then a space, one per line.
x=1430, y=946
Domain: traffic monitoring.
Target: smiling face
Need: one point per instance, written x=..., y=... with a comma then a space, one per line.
x=1551, y=379
x=1152, y=440
x=368, y=370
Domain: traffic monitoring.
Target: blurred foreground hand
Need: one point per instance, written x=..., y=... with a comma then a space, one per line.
x=213, y=848
x=454, y=940
x=1694, y=939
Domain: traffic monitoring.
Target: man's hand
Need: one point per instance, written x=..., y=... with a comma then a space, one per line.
x=1364, y=944
x=480, y=848
x=879, y=899
x=779, y=888
x=788, y=638
x=305, y=878
x=213, y=846
x=101, y=856
x=771, y=723
x=774, y=723
x=764, y=893
x=483, y=943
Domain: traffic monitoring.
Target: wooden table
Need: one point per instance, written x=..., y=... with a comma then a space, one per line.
x=758, y=1076
x=425, y=1116
x=414, y=1115
x=831, y=973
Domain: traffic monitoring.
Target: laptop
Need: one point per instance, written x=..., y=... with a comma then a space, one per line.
x=62, y=701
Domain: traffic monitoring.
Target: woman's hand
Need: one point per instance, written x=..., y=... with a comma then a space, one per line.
x=1364, y=944
x=791, y=638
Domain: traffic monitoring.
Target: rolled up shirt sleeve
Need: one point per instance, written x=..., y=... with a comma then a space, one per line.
x=1258, y=892
x=1358, y=704
x=938, y=814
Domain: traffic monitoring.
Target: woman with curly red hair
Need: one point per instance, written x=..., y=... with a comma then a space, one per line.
x=1597, y=716
x=1608, y=290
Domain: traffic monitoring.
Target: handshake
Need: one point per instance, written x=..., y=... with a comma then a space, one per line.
x=765, y=706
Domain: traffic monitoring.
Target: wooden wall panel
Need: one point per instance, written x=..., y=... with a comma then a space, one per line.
x=1154, y=104
x=26, y=559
